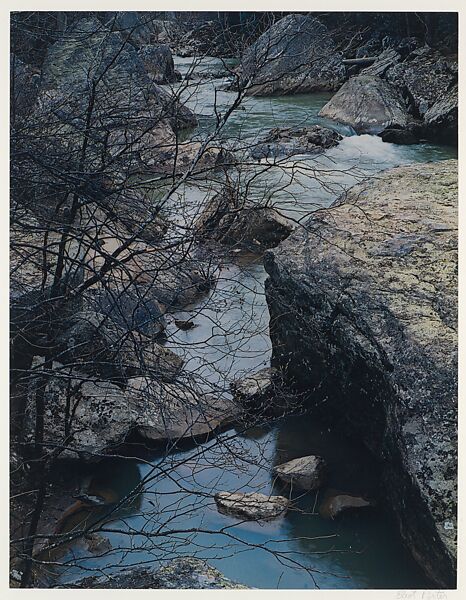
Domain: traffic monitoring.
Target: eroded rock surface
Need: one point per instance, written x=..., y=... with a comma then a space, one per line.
x=363, y=310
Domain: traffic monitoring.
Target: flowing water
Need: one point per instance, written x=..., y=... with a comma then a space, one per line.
x=177, y=514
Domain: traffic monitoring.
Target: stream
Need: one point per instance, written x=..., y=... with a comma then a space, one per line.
x=230, y=340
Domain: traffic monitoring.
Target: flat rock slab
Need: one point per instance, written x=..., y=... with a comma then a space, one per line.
x=253, y=506
x=307, y=472
x=363, y=306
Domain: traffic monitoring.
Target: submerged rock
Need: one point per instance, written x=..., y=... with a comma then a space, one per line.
x=182, y=573
x=307, y=472
x=367, y=103
x=363, y=306
x=335, y=504
x=295, y=55
x=292, y=141
x=253, y=506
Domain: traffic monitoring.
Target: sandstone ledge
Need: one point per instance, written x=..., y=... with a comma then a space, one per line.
x=363, y=307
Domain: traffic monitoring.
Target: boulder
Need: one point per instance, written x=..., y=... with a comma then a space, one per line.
x=89, y=418
x=307, y=472
x=368, y=104
x=252, y=506
x=335, y=504
x=158, y=62
x=295, y=55
x=181, y=573
x=424, y=76
x=291, y=141
x=232, y=220
x=363, y=307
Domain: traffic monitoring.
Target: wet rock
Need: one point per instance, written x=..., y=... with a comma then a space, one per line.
x=232, y=220
x=334, y=505
x=307, y=472
x=363, y=307
x=182, y=573
x=292, y=141
x=368, y=104
x=253, y=506
x=158, y=62
x=295, y=55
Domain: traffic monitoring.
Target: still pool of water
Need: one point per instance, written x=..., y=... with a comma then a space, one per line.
x=176, y=514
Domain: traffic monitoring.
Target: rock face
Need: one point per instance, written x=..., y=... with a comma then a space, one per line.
x=307, y=473
x=182, y=573
x=291, y=141
x=363, y=310
x=335, y=504
x=367, y=103
x=253, y=506
x=296, y=55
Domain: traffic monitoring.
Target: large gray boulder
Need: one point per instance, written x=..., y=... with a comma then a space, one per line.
x=368, y=104
x=181, y=573
x=295, y=55
x=363, y=305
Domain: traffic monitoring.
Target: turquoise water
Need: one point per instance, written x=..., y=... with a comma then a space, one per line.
x=177, y=514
